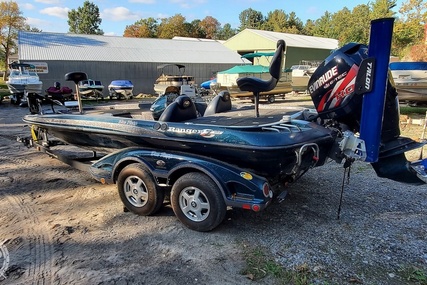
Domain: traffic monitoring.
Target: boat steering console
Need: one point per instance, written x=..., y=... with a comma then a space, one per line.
x=257, y=85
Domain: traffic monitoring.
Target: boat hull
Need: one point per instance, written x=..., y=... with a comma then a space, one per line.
x=120, y=89
x=165, y=81
x=410, y=79
x=91, y=88
x=21, y=88
x=271, y=153
x=300, y=83
x=22, y=80
x=412, y=92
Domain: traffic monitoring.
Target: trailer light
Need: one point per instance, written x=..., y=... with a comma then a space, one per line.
x=256, y=208
x=246, y=206
x=266, y=190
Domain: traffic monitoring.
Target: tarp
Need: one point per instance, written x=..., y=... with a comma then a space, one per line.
x=257, y=54
x=246, y=69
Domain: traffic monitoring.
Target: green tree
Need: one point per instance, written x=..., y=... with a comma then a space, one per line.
x=276, y=21
x=173, y=26
x=144, y=28
x=323, y=26
x=294, y=24
x=195, y=30
x=11, y=21
x=85, y=20
x=409, y=30
x=226, y=32
x=382, y=9
x=352, y=26
x=251, y=19
x=309, y=28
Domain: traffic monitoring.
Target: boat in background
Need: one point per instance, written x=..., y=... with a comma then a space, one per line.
x=410, y=79
x=301, y=74
x=227, y=79
x=22, y=79
x=165, y=80
x=91, y=88
x=207, y=84
x=121, y=89
x=56, y=92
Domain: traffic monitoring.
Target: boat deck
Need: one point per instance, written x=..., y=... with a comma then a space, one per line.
x=245, y=117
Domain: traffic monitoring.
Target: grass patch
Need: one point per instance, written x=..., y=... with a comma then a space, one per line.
x=4, y=91
x=259, y=265
x=414, y=275
x=407, y=110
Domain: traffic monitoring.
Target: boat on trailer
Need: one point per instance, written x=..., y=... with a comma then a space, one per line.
x=242, y=157
x=120, y=89
x=227, y=79
x=22, y=79
x=410, y=79
x=167, y=78
x=301, y=74
x=91, y=88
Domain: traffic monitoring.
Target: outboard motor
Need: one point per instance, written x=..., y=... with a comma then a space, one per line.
x=332, y=86
x=338, y=88
x=334, y=90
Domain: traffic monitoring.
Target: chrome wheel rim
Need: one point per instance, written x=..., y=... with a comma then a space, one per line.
x=194, y=204
x=135, y=191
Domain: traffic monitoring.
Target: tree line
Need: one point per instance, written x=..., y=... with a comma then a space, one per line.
x=409, y=37
x=345, y=25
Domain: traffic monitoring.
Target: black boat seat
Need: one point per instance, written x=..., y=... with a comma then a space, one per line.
x=220, y=103
x=257, y=85
x=182, y=109
x=76, y=76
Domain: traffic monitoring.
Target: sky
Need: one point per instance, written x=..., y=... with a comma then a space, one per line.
x=52, y=15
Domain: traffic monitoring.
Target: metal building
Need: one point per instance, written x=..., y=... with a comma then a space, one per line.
x=298, y=47
x=108, y=58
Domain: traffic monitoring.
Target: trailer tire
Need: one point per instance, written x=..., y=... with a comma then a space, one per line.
x=138, y=190
x=271, y=98
x=197, y=202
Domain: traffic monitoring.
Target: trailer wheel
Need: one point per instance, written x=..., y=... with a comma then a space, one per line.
x=138, y=191
x=197, y=202
x=271, y=98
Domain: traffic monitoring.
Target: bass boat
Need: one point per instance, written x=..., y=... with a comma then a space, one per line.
x=244, y=156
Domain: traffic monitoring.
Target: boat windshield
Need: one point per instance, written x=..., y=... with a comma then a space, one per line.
x=300, y=67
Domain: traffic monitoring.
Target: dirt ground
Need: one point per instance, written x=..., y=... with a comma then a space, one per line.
x=59, y=226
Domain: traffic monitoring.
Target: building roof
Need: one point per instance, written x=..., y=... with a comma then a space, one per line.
x=79, y=47
x=302, y=41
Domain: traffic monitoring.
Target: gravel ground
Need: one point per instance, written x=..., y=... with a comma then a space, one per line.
x=61, y=227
